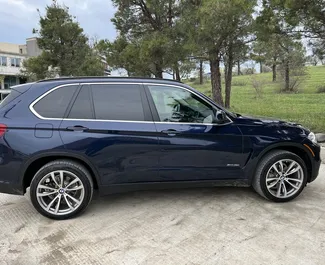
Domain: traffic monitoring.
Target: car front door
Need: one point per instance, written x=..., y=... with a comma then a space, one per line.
x=194, y=145
x=112, y=126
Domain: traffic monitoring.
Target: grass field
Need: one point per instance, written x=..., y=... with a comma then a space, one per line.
x=306, y=107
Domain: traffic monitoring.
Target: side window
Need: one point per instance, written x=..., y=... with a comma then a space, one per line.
x=55, y=104
x=81, y=108
x=178, y=105
x=118, y=102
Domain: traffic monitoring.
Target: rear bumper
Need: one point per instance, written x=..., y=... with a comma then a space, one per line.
x=10, y=188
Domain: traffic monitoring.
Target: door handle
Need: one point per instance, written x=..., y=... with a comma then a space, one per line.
x=171, y=132
x=77, y=128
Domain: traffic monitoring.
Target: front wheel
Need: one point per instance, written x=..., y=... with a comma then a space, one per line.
x=61, y=189
x=280, y=176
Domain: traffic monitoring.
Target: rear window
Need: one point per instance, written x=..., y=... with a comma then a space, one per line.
x=15, y=92
x=55, y=104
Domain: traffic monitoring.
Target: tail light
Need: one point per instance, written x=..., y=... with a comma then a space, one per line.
x=3, y=129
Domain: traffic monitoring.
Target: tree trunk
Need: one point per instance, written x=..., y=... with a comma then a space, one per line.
x=274, y=72
x=287, y=76
x=228, y=76
x=201, y=72
x=178, y=76
x=274, y=69
x=261, y=67
x=159, y=72
x=216, y=81
x=238, y=68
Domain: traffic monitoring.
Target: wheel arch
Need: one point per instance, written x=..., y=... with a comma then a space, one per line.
x=298, y=149
x=37, y=161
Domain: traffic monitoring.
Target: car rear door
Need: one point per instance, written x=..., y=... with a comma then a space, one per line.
x=111, y=125
x=193, y=148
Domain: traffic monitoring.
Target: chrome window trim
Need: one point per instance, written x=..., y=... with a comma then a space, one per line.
x=31, y=106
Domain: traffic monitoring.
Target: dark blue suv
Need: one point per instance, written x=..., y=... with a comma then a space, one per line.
x=67, y=137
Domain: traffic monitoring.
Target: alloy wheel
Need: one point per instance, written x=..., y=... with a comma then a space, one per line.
x=284, y=178
x=60, y=192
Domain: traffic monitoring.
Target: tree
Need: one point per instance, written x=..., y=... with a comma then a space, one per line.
x=275, y=22
x=218, y=26
x=65, y=47
x=150, y=30
x=259, y=53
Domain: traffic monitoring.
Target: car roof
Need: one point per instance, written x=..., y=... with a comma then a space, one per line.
x=93, y=79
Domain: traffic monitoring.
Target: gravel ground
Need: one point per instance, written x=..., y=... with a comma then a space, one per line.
x=197, y=226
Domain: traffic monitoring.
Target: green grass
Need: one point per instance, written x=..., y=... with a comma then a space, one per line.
x=306, y=107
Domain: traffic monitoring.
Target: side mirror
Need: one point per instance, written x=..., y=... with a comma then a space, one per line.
x=220, y=117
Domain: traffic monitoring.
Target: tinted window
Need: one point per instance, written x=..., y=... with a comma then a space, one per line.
x=13, y=95
x=82, y=106
x=118, y=102
x=55, y=104
x=15, y=92
x=179, y=105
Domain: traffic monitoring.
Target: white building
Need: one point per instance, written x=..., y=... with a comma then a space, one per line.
x=11, y=58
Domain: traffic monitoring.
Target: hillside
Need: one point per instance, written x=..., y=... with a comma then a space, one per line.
x=306, y=107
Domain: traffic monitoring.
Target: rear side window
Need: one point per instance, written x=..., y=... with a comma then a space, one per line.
x=55, y=104
x=118, y=102
x=15, y=92
x=81, y=108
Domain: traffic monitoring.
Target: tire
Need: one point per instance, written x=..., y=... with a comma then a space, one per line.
x=67, y=200
x=269, y=172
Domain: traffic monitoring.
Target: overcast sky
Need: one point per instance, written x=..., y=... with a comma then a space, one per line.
x=19, y=17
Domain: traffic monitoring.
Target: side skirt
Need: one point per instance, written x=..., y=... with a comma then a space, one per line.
x=122, y=188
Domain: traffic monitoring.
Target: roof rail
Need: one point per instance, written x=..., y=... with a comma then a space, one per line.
x=104, y=77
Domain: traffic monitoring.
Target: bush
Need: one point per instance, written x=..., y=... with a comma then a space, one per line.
x=193, y=79
x=248, y=71
x=239, y=83
x=266, y=69
x=258, y=86
x=321, y=89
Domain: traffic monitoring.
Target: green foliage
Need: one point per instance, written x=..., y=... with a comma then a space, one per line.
x=306, y=107
x=321, y=89
x=150, y=40
x=65, y=47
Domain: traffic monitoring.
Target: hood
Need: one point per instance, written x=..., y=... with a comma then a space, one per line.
x=270, y=122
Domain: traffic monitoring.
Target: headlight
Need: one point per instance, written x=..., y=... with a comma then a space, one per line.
x=312, y=137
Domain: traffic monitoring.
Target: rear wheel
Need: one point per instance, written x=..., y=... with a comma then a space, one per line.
x=280, y=176
x=61, y=189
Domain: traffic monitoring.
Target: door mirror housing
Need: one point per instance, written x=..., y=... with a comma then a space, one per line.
x=220, y=117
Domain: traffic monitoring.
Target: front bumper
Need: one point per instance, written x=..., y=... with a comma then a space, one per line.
x=313, y=150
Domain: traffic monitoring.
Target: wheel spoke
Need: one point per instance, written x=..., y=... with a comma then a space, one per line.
x=281, y=166
x=271, y=179
x=285, y=192
x=293, y=186
x=51, y=203
x=53, y=178
x=58, y=205
x=290, y=167
x=293, y=171
x=76, y=188
x=273, y=184
x=46, y=187
x=61, y=178
x=72, y=198
x=275, y=168
x=44, y=194
x=297, y=180
x=71, y=183
x=279, y=190
x=68, y=203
